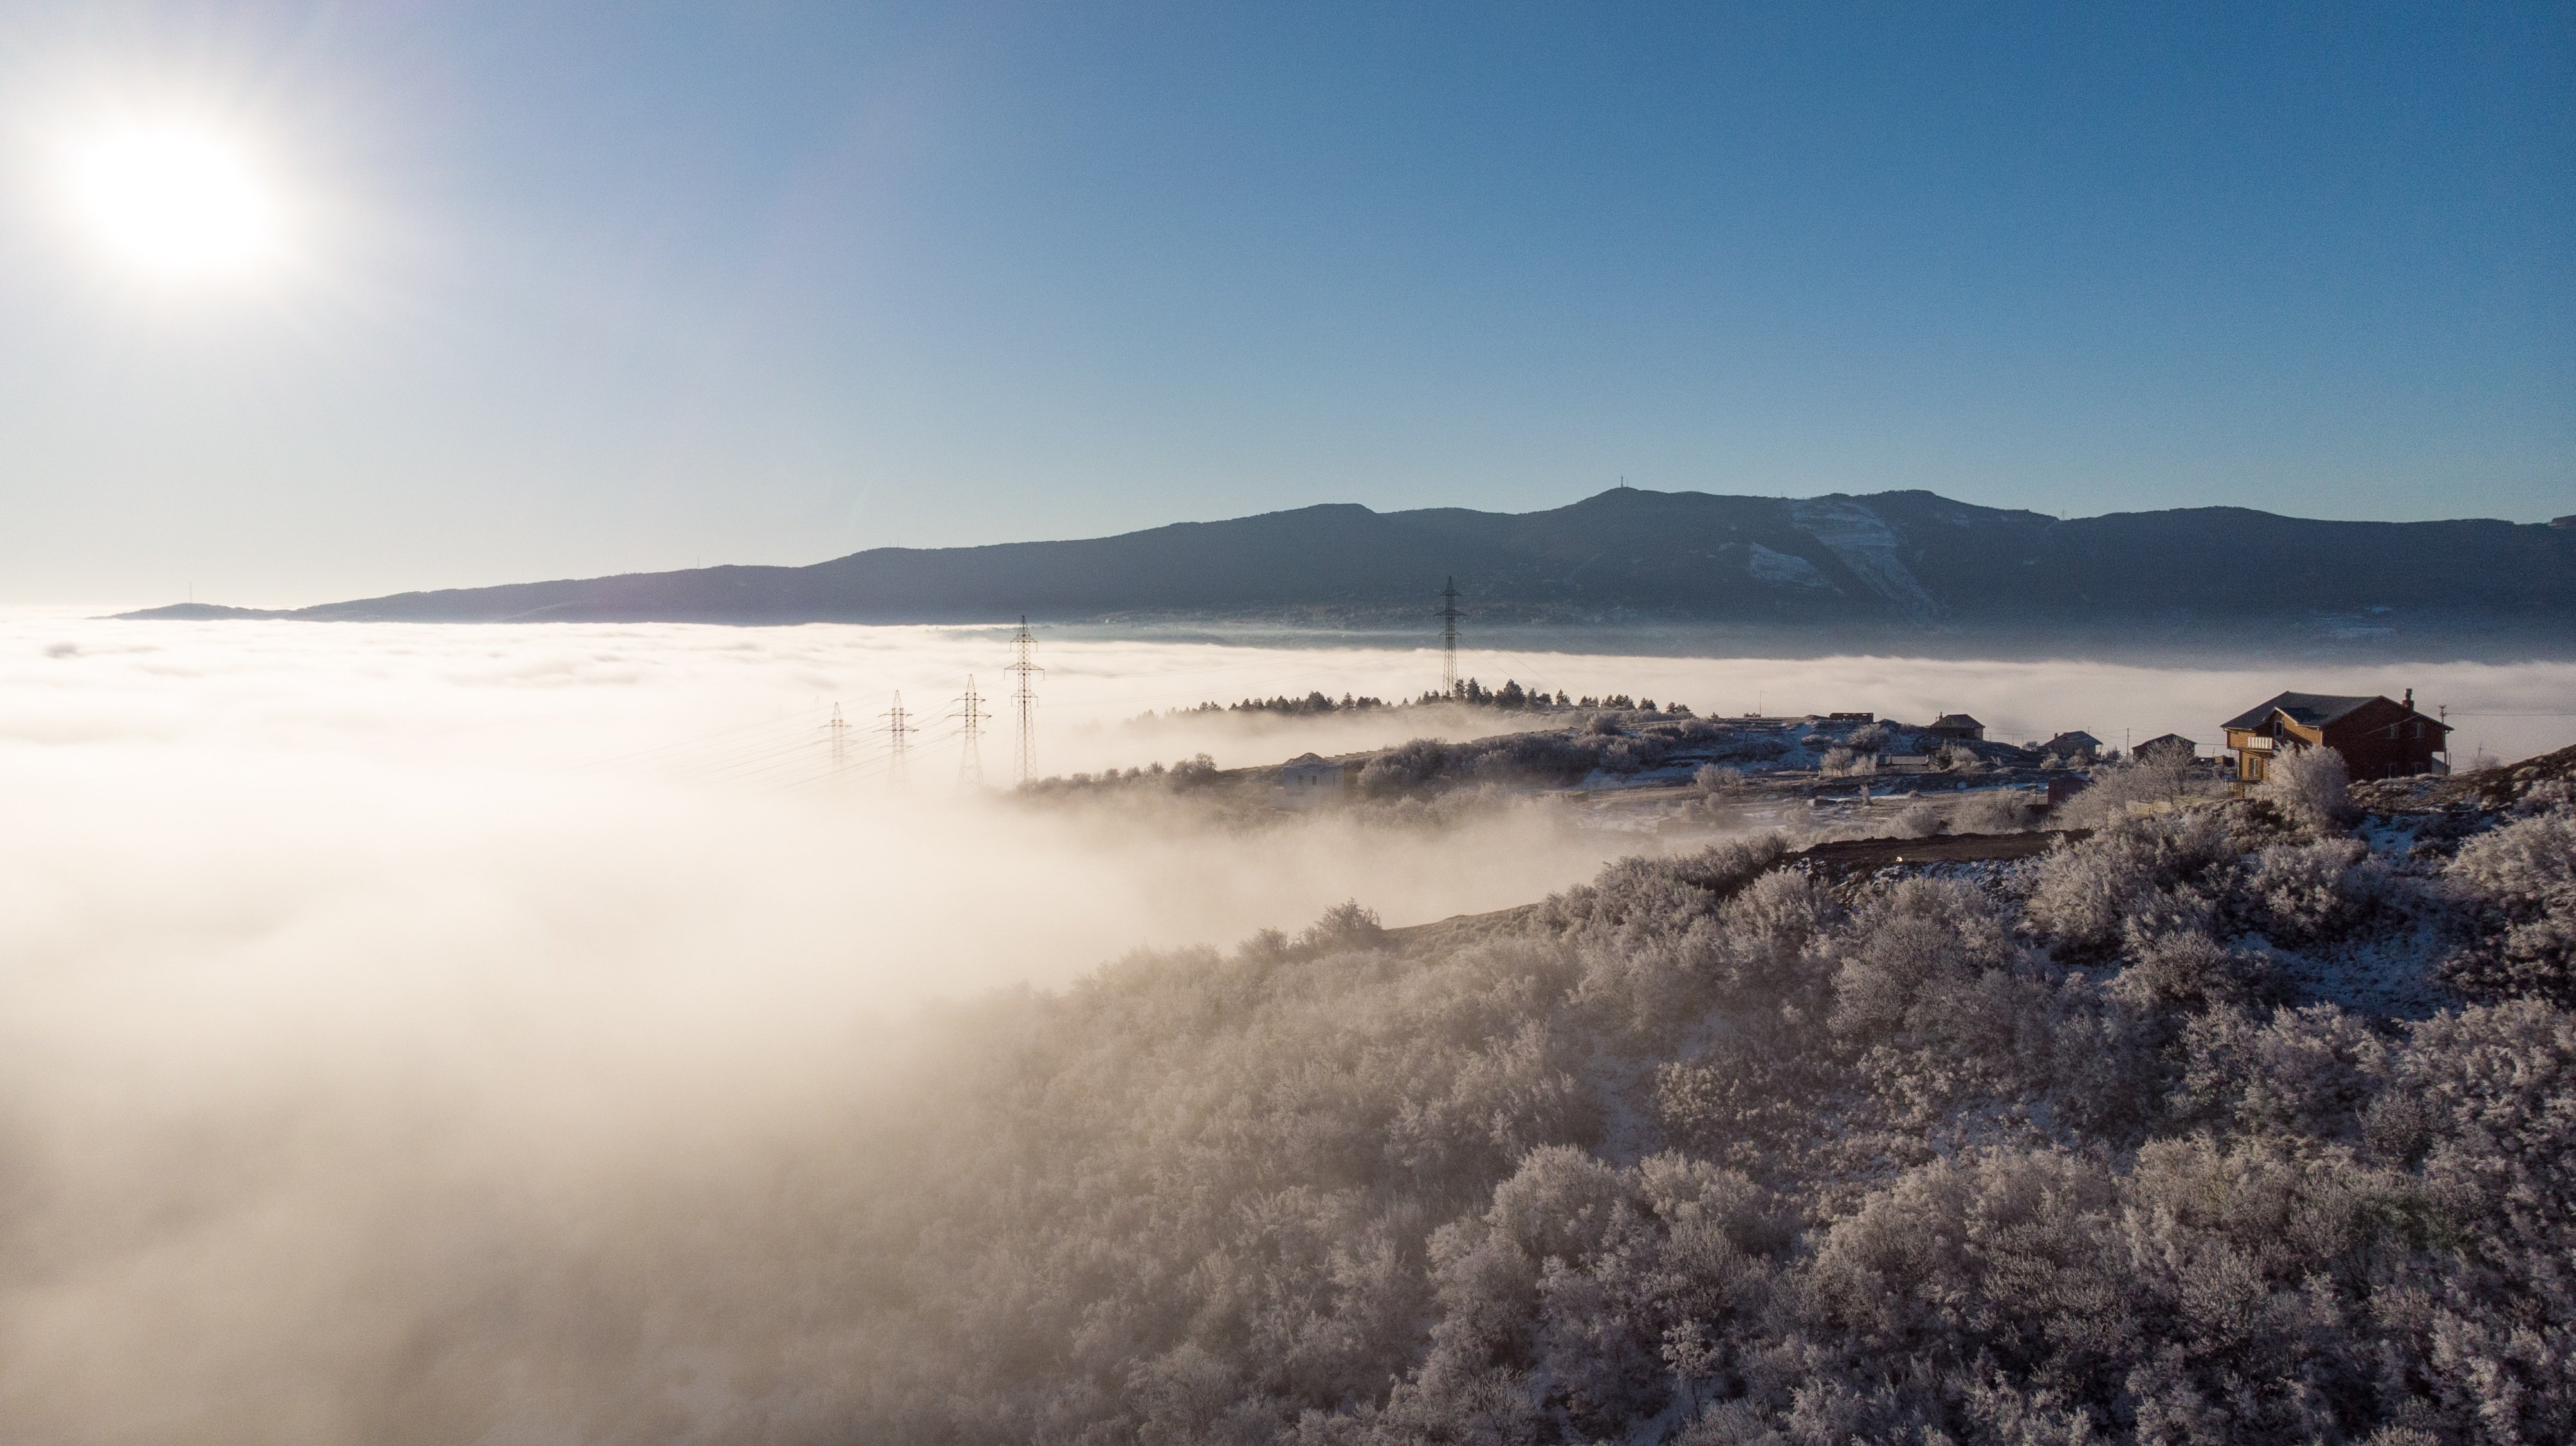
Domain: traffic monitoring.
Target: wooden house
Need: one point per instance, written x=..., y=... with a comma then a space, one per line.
x=2166, y=746
x=2377, y=737
x=1959, y=726
x=2078, y=746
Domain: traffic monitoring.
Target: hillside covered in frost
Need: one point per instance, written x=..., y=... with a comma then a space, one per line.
x=2229, y=1121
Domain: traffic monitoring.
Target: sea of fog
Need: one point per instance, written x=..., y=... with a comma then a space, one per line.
x=345, y=966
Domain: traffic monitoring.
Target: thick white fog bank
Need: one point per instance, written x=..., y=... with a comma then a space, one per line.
x=553, y=696
x=283, y=819
x=349, y=976
x=346, y=816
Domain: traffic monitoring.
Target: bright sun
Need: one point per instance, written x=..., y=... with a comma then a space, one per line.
x=173, y=201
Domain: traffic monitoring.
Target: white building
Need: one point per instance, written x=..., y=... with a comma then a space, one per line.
x=1306, y=781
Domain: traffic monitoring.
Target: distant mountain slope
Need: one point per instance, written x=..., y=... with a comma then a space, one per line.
x=1892, y=564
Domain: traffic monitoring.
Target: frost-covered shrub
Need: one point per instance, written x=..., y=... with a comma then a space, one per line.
x=1915, y=934
x=1750, y=747
x=1404, y=768
x=1517, y=757
x=2134, y=781
x=2311, y=785
x=2517, y=889
x=2310, y=1070
x=2548, y=795
x=1713, y=779
x=1654, y=950
x=2084, y=895
x=1918, y=820
x=1512, y=1095
x=1959, y=758
x=1641, y=898
x=1871, y=737
x=1943, y=1005
x=1973, y=1254
x=1768, y=932
x=1839, y=763
x=1999, y=810
x=2530, y=863
x=1346, y=925
x=1578, y=1274
x=2299, y=893
x=2187, y=968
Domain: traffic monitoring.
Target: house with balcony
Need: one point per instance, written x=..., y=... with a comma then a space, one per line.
x=2377, y=736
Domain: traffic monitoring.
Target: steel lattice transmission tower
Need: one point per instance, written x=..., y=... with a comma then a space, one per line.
x=970, y=710
x=838, y=731
x=1449, y=639
x=1024, y=671
x=899, y=731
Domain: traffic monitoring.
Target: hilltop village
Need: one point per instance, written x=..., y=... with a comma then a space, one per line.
x=1632, y=764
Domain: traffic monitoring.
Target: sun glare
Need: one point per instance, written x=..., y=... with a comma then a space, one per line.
x=173, y=201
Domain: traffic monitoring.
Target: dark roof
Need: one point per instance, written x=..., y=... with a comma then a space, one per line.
x=2076, y=736
x=1956, y=720
x=2167, y=740
x=2308, y=710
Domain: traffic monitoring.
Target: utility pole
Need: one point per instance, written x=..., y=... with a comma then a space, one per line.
x=838, y=731
x=899, y=731
x=1449, y=639
x=1024, y=671
x=970, y=765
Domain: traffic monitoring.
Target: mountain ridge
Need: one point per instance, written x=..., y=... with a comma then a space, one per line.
x=1890, y=564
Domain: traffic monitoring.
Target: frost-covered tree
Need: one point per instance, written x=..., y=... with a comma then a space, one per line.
x=2311, y=785
x=1713, y=779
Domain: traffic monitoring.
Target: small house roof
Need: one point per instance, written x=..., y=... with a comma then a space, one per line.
x=1956, y=720
x=2163, y=741
x=2308, y=710
x=2076, y=737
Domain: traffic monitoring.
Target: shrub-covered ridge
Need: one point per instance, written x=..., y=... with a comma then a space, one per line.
x=2094, y=1147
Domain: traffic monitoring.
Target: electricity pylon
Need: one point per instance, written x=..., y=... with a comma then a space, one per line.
x=838, y=731
x=1449, y=639
x=970, y=764
x=1024, y=670
x=899, y=731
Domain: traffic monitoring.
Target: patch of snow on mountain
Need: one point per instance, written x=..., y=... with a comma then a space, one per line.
x=1785, y=569
x=1868, y=546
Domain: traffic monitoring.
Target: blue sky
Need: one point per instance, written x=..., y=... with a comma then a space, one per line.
x=583, y=289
